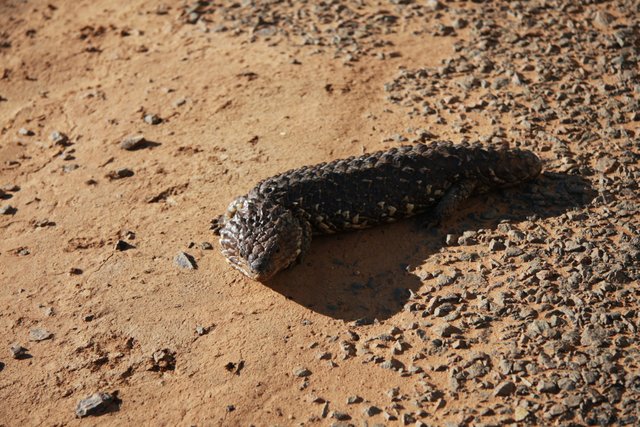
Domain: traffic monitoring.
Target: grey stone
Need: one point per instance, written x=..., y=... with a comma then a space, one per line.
x=446, y=330
x=120, y=173
x=547, y=387
x=393, y=364
x=39, y=334
x=184, y=260
x=433, y=5
x=163, y=360
x=566, y=384
x=468, y=238
x=11, y=188
x=340, y=416
x=19, y=352
x=513, y=251
x=451, y=239
x=301, y=372
x=496, y=245
x=593, y=337
x=557, y=409
x=152, y=119
x=443, y=310
x=7, y=210
x=59, y=138
x=324, y=355
x=606, y=165
x=121, y=245
x=516, y=236
x=134, y=142
x=353, y=400
x=408, y=419
x=95, y=404
x=505, y=388
x=371, y=411
x=573, y=401
x=603, y=18
x=520, y=413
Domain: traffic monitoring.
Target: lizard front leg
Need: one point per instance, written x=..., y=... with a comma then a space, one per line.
x=219, y=222
x=451, y=202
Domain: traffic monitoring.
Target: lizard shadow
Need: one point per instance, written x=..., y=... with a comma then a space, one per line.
x=367, y=275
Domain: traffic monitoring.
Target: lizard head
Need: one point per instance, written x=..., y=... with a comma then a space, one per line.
x=262, y=238
x=507, y=167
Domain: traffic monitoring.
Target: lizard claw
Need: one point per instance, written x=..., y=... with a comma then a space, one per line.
x=431, y=222
x=216, y=224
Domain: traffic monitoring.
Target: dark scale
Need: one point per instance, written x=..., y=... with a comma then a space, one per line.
x=270, y=228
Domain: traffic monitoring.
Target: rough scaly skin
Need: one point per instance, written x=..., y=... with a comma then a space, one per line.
x=270, y=228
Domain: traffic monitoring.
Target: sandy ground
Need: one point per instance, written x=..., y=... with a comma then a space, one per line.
x=530, y=318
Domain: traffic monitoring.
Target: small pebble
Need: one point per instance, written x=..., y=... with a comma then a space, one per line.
x=557, y=409
x=520, y=414
x=120, y=173
x=445, y=330
x=353, y=400
x=163, y=360
x=39, y=334
x=451, y=239
x=133, y=143
x=371, y=411
x=496, y=245
x=340, y=416
x=59, y=138
x=184, y=260
x=393, y=364
x=547, y=387
x=121, y=245
x=19, y=352
x=301, y=372
x=96, y=404
x=7, y=210
x=10, y=188
x=505, y=389
x=606, y=165
x=152, y=119
x=325, y=355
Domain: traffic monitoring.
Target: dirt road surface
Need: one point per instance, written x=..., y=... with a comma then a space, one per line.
x=522, y=309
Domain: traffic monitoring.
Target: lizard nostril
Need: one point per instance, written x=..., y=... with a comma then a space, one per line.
x=260, y=265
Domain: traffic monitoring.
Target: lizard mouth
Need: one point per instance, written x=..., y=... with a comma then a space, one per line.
x=260, y=270
x=247, y=270
x=260, y=277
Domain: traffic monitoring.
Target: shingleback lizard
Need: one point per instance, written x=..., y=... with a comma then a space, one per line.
x=270, y=228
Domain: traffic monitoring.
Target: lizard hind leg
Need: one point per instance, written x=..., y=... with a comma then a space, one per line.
x=451, y=202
